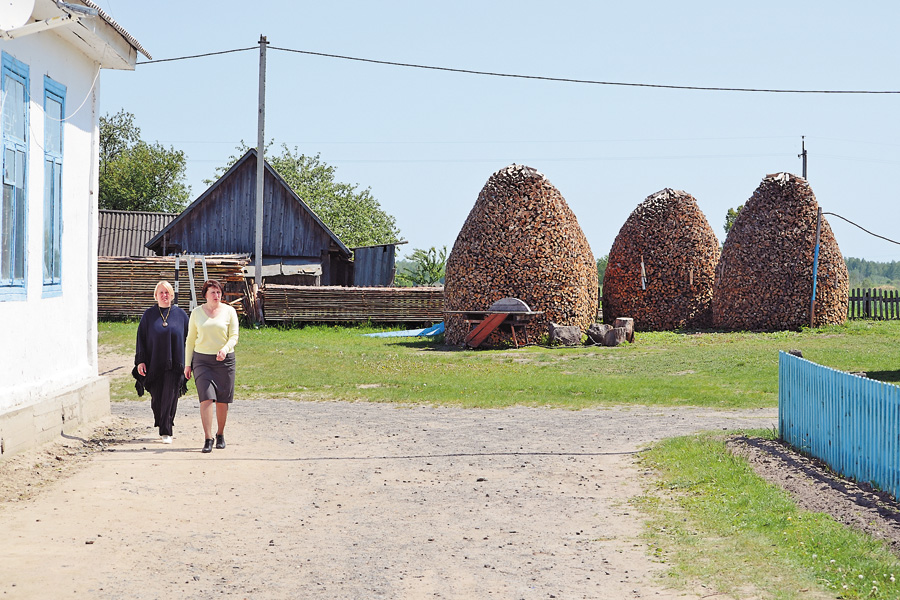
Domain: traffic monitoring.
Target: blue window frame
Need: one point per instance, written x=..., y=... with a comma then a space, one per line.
x=13, y=206
x=54, y=112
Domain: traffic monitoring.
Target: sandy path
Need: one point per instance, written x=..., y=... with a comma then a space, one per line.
x=354, y=500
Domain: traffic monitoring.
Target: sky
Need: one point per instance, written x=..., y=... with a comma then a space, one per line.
x=426, y=141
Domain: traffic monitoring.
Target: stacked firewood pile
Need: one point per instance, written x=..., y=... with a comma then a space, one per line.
x=662, y=265
x=764, y=280
x=521, y=240
x=125, y=284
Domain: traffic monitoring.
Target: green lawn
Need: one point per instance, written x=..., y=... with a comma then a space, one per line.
x=722, y=370
x=713, y=520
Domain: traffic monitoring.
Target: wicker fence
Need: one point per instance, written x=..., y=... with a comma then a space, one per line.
x=874, y=304
x=321, y=304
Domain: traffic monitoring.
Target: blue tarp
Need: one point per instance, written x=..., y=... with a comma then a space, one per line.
x=427, y=332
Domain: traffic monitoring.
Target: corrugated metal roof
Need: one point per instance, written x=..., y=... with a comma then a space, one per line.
x=124, y=233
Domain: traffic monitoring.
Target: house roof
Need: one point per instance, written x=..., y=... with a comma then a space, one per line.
x=249, y=155
x=124, y=233
x=101, y=38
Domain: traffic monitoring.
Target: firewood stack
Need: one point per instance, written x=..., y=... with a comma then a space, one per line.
x=764, y=280
x=662, y=265
x=520, y=240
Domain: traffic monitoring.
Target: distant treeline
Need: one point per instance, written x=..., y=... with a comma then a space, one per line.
x=870, y=274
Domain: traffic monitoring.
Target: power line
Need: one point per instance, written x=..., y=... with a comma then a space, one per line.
x=863, y=228
x=584, y=81
x=531, y=77
x=162, y=60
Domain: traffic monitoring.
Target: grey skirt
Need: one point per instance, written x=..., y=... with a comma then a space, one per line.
x=214, y=379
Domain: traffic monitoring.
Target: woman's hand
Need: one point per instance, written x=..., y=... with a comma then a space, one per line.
x=221, y=355
x=187, y=372
x=142, y=370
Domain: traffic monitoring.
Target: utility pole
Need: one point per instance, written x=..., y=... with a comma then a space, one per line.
x=803, y=154
x=260, y=162
x=812, y=305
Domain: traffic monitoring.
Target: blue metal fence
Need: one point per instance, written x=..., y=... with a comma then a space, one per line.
x=850, y=422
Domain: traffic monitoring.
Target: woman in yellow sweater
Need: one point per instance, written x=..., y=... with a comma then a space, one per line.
x=209, y=354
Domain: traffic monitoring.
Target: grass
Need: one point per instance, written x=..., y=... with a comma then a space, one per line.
x=714, y=520
x=720, y=370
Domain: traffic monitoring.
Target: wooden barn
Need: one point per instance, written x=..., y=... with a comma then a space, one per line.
x=222, y=220
x=375, y=265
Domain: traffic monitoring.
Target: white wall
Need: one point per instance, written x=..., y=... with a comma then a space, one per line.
x=49, y=345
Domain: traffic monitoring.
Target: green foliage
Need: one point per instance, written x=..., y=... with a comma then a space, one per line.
x=136, y=175
x=714, y=520
x=731, y=216
x=870, y=274
x=601, y=267
x=722, y=370
x=423, y=267
x=354, y=215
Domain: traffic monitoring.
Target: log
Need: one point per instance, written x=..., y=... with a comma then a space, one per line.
x=628, y=324
x=614, y=336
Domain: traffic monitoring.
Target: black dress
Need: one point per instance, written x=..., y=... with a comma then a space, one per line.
x=160, y=346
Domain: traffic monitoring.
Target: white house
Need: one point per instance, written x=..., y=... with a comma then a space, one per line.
x=49, y=82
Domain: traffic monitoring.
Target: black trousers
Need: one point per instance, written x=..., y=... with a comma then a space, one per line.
x=164, y=401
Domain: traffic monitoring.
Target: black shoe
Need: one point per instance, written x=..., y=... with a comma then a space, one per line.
x=207, y=447
x=220, y=441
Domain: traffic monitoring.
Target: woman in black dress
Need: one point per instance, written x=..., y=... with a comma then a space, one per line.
x=159, y=358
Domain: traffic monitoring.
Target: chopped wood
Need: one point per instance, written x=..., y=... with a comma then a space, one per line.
x=615, y=336
x=628, y=324
x=662, y=265
x=764, y=280
x=520, y=240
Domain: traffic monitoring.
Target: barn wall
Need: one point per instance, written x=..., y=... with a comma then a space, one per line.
x=225, y=222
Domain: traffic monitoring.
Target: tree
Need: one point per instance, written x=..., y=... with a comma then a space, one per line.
x=355, y=216
x=731, y=216
x=135, y=175
x=428, y=267
x=601, y=267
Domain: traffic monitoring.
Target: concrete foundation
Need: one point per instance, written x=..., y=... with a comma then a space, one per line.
x=47, y=419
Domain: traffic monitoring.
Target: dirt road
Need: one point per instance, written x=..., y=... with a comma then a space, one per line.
x=352, y=500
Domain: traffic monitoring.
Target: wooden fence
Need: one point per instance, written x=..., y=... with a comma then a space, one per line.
x=850, y=422
x=874, y=304
x=318, y=304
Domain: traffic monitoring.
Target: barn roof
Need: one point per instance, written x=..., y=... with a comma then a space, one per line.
x=124, y=232
x=210, y=194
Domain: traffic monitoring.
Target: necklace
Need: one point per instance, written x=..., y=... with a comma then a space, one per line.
x=165, y=319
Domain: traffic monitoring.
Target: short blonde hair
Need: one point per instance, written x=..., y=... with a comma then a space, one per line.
x=166, y=285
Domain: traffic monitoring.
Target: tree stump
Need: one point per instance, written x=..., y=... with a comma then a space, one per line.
x=614, y=336
x=628, y=324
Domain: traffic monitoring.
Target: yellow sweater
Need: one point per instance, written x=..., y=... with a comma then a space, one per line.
x=208, y=336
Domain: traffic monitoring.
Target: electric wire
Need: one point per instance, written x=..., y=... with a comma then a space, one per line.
x=162, y=60
x=530, y=77
x=861, y=227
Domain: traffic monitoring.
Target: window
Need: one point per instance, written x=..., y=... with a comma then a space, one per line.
x=14, y=90
x=54, y=110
